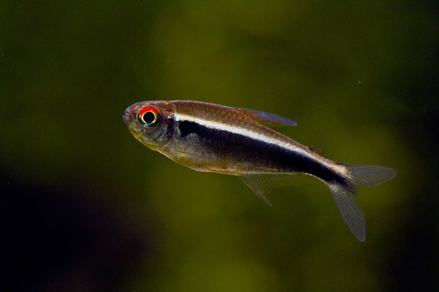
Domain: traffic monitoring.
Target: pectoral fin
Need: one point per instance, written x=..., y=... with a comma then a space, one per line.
x=268, y=119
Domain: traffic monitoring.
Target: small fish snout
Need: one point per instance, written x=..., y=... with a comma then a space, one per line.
x=127, y=118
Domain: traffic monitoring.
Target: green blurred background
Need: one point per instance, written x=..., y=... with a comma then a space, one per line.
x=85, y=207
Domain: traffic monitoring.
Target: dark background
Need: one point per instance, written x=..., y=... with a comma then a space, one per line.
x=85, y=207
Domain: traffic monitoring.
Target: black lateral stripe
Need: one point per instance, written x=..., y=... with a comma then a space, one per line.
x=187, y=128
x=240, y=148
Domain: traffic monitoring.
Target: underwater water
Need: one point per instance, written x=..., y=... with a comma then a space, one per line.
x=85, y=207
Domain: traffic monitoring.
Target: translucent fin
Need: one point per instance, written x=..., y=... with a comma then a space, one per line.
x=263, y=184
x=345, y=195
x=363, y=176
x=346, y=198
x=316, y=149
x=268, y=119
x=349, y=206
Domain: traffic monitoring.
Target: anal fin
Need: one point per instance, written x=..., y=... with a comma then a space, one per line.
x=263, y=183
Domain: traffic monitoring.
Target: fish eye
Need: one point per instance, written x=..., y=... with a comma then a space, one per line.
x=148, y=116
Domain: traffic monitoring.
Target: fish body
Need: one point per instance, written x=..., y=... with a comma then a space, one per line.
x=235, y=141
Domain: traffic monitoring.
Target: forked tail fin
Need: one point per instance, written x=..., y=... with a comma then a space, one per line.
x=345, y=196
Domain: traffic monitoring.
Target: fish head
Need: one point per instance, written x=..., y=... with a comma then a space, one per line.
x=150, y=122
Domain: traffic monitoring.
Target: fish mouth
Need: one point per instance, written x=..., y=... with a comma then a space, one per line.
x=127, y=118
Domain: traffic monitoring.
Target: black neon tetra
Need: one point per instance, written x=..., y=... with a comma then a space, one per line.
x=215, y=138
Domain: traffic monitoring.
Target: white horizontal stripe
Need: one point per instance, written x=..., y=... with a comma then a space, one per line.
x=240, y=131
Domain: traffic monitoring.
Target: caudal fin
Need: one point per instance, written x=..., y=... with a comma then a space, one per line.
x=345, y=196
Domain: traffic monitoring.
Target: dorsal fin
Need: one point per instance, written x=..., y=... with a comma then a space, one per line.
x=268, y=119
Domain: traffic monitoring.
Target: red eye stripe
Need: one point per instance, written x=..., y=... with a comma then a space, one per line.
x=148, y=109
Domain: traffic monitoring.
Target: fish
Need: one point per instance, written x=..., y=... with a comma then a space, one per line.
x=236, y=141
